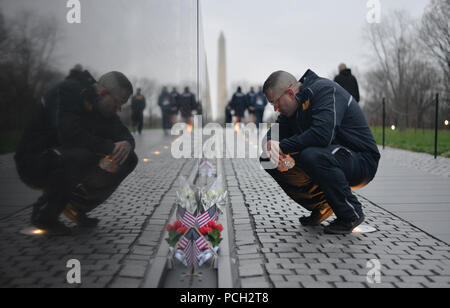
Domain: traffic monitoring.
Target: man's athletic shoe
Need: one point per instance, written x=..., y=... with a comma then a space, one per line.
x=340, y=226
x=80, y=218
x=318, y=215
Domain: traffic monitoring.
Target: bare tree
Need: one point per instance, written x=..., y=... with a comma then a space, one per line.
x=394, y=46
x=435, y=36
x=27, y=45
x=424, y=82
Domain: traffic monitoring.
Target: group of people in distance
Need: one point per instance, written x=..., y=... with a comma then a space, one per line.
x=173, y=102
x=254, y=102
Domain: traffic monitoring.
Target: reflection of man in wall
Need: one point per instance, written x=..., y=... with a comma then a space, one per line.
x=137, y=111
x=186, y=103
x=76, y=72
x=165, y=103
x=73, y=128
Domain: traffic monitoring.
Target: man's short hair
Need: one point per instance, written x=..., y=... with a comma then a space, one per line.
x=279, y=80
x=116, y=83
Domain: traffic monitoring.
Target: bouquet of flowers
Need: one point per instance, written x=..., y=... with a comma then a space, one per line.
x=186, y=196
x=195, y=237
x=191, y=245
x=213, y=195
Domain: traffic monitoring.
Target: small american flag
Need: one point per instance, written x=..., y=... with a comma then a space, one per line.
x=189, y=220
x=186, y=218
x=190, y=253
x=207, y=216
x=192, y=244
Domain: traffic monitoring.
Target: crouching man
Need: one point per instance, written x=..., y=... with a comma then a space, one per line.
x=76, y=150
x=325, y=136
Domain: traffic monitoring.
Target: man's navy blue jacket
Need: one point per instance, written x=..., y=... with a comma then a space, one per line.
x=239, y=103
x=327, y=115
x=260, y=101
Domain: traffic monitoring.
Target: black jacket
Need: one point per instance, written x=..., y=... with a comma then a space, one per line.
x=239, y=103
x=186, y=103
x=66, y=116
x=251, y=100
x=138, y=104
x=346, y=80
x=165, y=101
x=260, y=101
x=326, y=115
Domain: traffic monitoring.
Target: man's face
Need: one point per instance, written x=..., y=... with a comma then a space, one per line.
x=109, y=104
x=283, y=102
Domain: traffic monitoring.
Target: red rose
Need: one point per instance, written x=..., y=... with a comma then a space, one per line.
x=203, y=230
x=208, y=229
x=177, y=224
x=169, y=227
x=220, y=227
x=212, y=224
x=182, y=229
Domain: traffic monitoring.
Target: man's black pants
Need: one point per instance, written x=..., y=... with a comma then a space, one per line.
x=326, y=175
x=71, y=175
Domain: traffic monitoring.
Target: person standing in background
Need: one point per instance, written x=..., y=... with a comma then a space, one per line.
x=165, y=103
x=251, y=105
x=138, y=105
x=346, y=80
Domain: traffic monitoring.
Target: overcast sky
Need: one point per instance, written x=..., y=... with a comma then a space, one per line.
x=157, y=38
x=263, y=36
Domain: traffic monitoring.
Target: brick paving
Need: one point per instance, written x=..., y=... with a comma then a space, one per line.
x=114, y=254
x=420, y=161
x=274, y=250
x=270, y=247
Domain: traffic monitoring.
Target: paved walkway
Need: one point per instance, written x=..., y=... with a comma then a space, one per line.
x=271, y=249
x=275, y=251
x=418, y=193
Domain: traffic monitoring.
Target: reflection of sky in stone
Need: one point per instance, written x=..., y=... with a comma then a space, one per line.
x=144, y=38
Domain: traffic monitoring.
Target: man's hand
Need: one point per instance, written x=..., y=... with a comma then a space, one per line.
x=276, y=155
x=121, y=151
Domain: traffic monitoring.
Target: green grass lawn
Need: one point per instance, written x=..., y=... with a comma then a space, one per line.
x=417, y=141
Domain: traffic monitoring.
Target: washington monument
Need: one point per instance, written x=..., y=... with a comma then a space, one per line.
x=221, y=79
